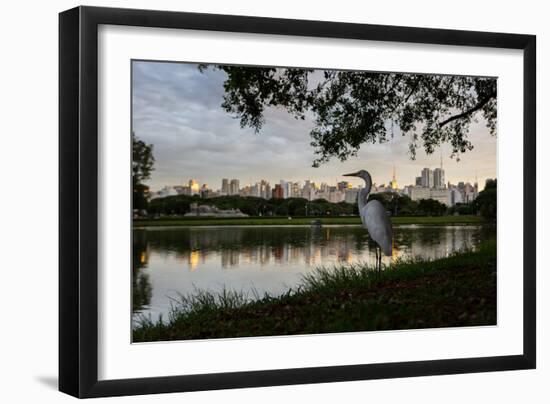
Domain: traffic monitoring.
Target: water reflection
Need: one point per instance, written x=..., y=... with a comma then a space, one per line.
x=142, y=290
x=268, y=259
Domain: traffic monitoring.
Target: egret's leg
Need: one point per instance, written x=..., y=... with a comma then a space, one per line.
x=376, y=253
x=379, y=260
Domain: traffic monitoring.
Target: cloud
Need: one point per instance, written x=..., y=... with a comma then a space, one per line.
x=178, y=109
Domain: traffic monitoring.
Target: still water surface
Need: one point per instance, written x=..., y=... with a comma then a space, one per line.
x=168, y=261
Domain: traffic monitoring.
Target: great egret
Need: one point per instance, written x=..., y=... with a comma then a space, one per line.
x=374, y=218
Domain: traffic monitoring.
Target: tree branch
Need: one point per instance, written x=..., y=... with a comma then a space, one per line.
x=415, y=86
x=470, y=111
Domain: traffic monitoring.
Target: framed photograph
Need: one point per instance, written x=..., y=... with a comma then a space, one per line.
x=251, y=201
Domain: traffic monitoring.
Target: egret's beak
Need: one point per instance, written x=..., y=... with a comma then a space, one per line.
x=351, y=174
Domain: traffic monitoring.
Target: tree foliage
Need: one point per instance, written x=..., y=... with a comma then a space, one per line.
x=351, y=108
x=402, y=205
x=253, y=206
x=486, y=201
x=142, y=160
x=142, y=165
x=462, y=209
x=397, y=205
x=431, y=207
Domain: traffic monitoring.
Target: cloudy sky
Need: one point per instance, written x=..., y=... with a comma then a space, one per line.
x=178, y=109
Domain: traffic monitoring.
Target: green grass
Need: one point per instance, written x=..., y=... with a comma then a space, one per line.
x=456, y=291
x=270, y=221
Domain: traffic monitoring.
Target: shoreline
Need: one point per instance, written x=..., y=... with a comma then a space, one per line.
x=456, y=291
x=303, y=221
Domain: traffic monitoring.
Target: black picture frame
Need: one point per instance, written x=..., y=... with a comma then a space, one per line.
x=78, y=201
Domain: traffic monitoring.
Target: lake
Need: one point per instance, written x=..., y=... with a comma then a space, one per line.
x=266, y=259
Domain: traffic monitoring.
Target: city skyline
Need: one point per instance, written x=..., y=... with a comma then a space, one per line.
x=226, y=184
x=429, y=185
x=178, y=110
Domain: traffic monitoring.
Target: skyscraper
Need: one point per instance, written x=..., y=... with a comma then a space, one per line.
x=427, y=178
x=254, y=190
x=308, y=190
x=393, y=182
x=343, y=185
x=295, y=190
x=350, y=195
x=194, y=187
x=287, y=188
x=264, y=189
x=225, y=186
x=278, y=192
x=234, y=187
x=439, y=176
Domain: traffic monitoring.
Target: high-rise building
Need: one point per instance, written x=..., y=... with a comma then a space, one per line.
x=234, y=187
x=287, y=188
x=418, y=181
x=261, y=189
x=206, y=192
x=225, y=186
x=351, y=195
x=278, y=192
x=456, y=196
x=439, y=176
x=308, y=190
x=253, y=190
x=295, y=190
x=469, y=193
x=264, y=189
x=427, y=178
x=335, y=196
x=343, y=185
x=393, y=182
x=194, y=187
x=442, y=195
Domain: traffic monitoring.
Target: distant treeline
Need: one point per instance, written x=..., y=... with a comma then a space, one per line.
x=396, y=205
x=252, y=206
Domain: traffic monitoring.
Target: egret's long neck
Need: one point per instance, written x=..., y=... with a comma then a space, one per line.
x=364, y=193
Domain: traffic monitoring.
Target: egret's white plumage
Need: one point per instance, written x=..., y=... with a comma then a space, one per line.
x=375, y=219
x=373, y=215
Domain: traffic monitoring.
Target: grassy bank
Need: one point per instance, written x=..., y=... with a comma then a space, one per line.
x=270, y=221
x=456, y=291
